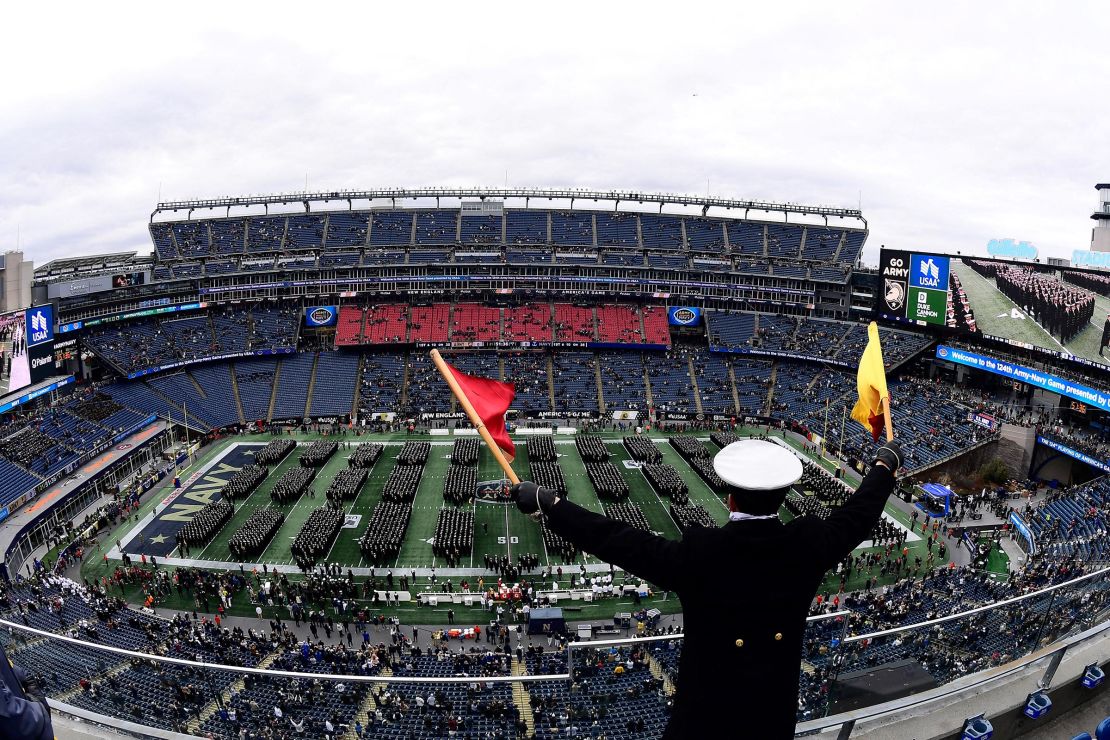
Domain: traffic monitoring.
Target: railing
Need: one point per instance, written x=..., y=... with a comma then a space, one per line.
x=978, y=648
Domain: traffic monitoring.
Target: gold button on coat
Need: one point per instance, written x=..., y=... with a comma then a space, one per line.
x=739, y=643
x=778, y=635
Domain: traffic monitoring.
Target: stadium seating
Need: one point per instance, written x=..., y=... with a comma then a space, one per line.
x=333, y=390
x=290, y=396
x=574, y=323
x=526, y=227
x=619, y=325
x=437, y=227
x=430, y=323
x=616, y=229
x=656, y=328
x=471, y=322
x=669, y=378
x=391, y=228
x=347, y=229
x=572, y=228
x=622, y=380
x=528, y=371
x=387, y=324
x=528, y=323
x=349, y=326
x=575, y=379
x=254, y=379
x=381, y=382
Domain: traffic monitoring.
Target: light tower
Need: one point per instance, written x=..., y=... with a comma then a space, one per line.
x=1100, y=234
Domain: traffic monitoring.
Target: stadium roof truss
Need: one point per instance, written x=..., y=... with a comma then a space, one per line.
x=307, y=200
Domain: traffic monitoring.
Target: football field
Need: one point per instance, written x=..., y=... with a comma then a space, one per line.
x=499, y=529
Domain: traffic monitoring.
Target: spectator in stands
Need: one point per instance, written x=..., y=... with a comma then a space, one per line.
x=734, y=649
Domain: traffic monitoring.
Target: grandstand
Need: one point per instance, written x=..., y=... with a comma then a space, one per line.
x=617, y=403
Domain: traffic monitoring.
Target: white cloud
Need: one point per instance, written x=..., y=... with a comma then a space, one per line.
x=957, y=123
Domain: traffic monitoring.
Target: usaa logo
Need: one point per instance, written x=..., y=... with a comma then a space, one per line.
x=321, y=315
x=685, y=315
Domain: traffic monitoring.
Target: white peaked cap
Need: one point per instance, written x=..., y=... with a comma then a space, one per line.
x=756, y=465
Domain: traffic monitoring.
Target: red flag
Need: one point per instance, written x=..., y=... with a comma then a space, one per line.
x=490, y=399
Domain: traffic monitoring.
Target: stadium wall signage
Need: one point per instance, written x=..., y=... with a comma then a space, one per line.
x=211, y=358
x=315, y=316
x=542, y=345
x=1089, y=396
x=35, y=394
x=75, y=325
x=1082, y=457
x=780, y=353
x=564, y=415
x=1023, y=529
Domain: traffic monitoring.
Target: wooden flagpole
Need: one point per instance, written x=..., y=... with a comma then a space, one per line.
x=885, y=401
x=476, y=420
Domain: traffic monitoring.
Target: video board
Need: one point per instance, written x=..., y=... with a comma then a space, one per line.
x=26, y=348
x=1059, y=311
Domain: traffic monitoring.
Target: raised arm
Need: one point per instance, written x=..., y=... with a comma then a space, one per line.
x=656, y=559
x=848, y=525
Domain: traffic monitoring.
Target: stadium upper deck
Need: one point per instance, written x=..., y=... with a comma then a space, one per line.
x=791, y=256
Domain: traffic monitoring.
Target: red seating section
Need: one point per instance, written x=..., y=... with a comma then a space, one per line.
x=348, y=331
x=619, y=324
x=397, y=323
x=472, y=322
x=430, y=323
x=656, y=328
x=574, y=323
x=387, y=324
x=528, y=323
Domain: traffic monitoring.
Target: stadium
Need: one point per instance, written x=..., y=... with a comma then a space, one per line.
x=239, y=500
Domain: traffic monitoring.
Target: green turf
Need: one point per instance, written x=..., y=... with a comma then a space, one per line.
x=495, y=527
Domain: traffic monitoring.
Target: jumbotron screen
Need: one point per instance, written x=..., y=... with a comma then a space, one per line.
x=26, y=348
x=1062, y=311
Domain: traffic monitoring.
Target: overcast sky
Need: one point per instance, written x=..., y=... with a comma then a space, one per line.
x=952, y=124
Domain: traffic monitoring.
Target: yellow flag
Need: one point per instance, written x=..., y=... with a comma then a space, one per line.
x=871, y=381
